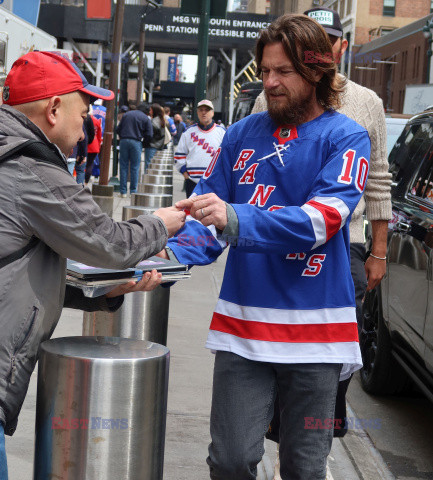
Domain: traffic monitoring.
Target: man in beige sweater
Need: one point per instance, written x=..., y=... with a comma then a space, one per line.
x=366, y=108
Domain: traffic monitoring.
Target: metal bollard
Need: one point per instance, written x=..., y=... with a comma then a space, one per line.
x=101, y=409
x=152, y=200
x=143, y=315
x=132, y=211
x=159, y=171
x=158, y=179
x=150, y=188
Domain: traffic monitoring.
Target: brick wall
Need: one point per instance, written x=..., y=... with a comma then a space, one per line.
x=403, y=8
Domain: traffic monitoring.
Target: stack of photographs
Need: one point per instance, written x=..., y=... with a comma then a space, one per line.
x=96, y=281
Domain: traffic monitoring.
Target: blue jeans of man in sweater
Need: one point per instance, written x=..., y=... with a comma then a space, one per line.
x=129, y=159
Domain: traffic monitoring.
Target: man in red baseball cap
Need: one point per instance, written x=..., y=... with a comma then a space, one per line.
x=45, y=217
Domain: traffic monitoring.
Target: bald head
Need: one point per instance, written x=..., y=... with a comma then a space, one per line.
x=60, y=117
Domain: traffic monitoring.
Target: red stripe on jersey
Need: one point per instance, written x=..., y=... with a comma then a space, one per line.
x=275, y=332
x=331, y=215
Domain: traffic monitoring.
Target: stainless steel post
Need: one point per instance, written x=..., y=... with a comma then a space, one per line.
x=158, y=179
x=152, y=200
x=143, y=315
x=150, y=188
x=101, y=409
x=132, y=211
x=159, y=170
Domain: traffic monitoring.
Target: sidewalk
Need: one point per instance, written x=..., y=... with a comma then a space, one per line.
x=190, y=388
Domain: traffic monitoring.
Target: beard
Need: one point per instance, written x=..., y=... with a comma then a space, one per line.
x=291, y=111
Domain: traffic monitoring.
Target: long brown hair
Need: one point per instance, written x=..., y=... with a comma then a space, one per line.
x=158, y=112
x=308, y=47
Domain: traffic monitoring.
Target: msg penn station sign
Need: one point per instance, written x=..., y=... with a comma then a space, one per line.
x=166, y=29
x=218, y=27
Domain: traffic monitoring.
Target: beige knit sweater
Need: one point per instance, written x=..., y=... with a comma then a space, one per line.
x=365, y=107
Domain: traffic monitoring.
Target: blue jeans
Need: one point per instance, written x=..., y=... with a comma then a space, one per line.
x=242, y=408
x=129, y=159
x=3, y=463
x=149, y=153
x=80, y=171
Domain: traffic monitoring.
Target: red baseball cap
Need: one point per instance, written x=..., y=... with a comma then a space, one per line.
x=39, y=75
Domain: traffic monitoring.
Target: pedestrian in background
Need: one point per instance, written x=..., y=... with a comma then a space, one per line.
x=93, y=148
x=157, y=140
x=133, y=128
x=198, y=145
x=169, y=121
x=180, y=128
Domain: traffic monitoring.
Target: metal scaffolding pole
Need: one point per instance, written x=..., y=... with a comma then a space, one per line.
x=203, y=42
x=232, y=85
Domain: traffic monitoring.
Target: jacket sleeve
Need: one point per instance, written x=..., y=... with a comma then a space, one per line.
x=66, y=218
x=74, y=298
x=181, y=153
x=378, y=190
x=196, y=244
x=333, y=197
x=260, y=104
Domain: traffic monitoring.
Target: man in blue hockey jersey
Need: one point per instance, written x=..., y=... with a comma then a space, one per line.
x=281, y=189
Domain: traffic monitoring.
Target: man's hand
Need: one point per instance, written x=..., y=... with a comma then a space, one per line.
x=375, y=270
x=163, y=254
x=185, y=175
x=173, y=218
x=209, y=209
x=149, y=282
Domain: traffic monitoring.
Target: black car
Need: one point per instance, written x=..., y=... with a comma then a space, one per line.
x=244, y=102
x=397, y=335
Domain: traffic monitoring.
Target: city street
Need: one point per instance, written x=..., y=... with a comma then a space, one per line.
x=403, y=436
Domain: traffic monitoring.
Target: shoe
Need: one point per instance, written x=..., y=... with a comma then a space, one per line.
x=123, y=195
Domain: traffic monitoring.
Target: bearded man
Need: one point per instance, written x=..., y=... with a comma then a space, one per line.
x=281, y=188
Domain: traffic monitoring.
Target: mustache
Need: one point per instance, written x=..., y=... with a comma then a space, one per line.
x=275, y=92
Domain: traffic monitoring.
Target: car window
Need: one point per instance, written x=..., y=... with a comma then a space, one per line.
x=242, y=109
x=412, y=146
x=394, y=127
x=422, y=185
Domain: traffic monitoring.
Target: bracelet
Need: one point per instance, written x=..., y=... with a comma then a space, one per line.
x=378, y=258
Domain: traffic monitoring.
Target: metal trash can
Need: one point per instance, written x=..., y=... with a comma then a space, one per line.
x=159, y=200
x=101, y=409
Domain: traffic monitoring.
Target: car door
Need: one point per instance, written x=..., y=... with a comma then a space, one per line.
x=409, y=247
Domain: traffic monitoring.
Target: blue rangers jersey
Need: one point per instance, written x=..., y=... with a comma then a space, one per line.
x=196, y=148
x=287, y=294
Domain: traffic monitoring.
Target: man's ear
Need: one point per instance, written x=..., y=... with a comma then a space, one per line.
x=52, y=110
x=318, y=76
x=344, y=45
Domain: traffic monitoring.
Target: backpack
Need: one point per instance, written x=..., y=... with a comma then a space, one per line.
x=42, y=153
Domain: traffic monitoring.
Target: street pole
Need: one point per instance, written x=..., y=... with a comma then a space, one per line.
x=203, y=42
x=112, y=85
x=139, y=97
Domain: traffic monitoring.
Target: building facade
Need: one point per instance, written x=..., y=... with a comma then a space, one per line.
x=389, y=63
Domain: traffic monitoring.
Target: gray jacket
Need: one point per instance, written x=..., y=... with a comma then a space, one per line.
x=43, y=200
